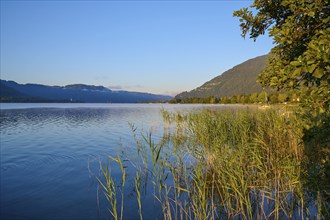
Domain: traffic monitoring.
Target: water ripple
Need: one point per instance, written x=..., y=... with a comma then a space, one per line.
x=48, y=154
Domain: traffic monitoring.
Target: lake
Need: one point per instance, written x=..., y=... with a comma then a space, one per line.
x=50, y=155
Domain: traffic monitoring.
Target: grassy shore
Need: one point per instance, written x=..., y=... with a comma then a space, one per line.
x=228, y=164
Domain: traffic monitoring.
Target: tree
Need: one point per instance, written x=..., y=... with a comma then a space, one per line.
x=282, y=97
x=244, y=99
x=301, y=55
x=300, y=60
x=274, y=98
x=224, y=100
x=211, y=100
x=254, y=98
x=233, y=99
x=262, y=97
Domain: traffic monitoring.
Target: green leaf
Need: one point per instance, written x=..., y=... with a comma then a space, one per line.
x=295, y=63
x=318, y=73
x=297, y=72
x=326, y=20
x=312, y=13
x=309, y=62
x=312, y=68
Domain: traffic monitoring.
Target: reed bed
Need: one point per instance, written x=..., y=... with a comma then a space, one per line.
x=228, y=164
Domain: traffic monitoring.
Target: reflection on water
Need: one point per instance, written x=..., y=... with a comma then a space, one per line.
x=50, y=152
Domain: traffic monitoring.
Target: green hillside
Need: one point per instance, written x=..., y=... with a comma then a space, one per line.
x=239, y=80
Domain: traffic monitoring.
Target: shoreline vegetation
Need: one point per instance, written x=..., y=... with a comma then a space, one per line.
x=253, y=98
x=226, y=164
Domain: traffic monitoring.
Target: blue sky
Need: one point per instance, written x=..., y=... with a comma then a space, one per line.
x=163, y=47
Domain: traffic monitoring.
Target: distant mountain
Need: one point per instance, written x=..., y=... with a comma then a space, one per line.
x=6, y=91
x=87, y=87
x=239, y=80
x=12, y=91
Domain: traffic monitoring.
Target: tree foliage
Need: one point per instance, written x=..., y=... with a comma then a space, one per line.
x=301, y=33
x=299, y=60
x=254, y=98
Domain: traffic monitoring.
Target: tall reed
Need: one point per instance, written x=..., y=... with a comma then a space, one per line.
x=228, y=164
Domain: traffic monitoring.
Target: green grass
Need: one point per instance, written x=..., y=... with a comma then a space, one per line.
x=228, y=164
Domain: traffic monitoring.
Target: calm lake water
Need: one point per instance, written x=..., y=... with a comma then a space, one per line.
x=50, y=155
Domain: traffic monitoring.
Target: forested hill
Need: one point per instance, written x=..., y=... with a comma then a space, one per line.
x=11, y=91
x=239, y=80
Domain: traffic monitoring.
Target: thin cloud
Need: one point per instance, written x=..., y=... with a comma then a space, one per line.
x=171, y=93
x=116, y=87
x=129, y=87
x=134, y=87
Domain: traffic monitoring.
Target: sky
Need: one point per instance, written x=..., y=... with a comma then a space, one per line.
x=162, y=47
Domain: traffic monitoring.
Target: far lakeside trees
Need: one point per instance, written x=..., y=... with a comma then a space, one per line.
x=254, y=98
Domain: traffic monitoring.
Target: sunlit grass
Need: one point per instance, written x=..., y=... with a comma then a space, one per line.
x=229, y=164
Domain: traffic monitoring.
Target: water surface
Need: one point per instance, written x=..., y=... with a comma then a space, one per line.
x=50, y=155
